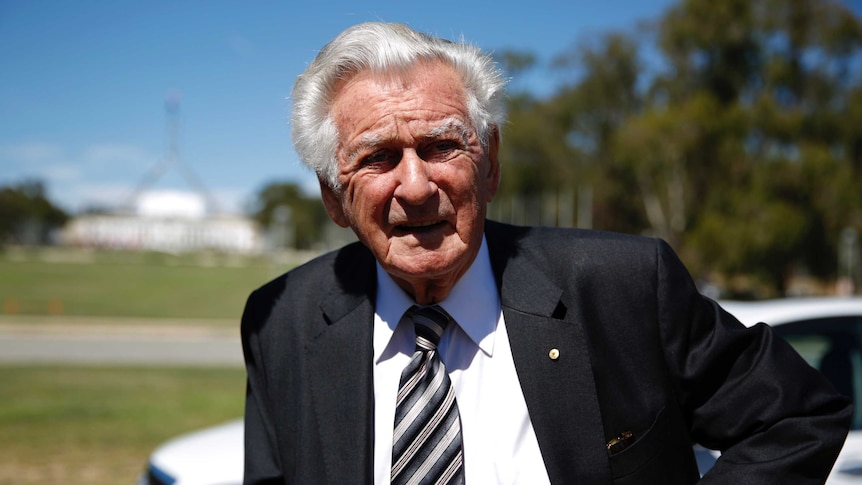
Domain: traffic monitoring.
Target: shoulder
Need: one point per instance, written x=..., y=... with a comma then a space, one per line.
x=323, y=271
x=599, y=260
x=349, y=270
x=571, y=245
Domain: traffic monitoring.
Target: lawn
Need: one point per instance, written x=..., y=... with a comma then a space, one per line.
x=96, y=426
x=148, y=285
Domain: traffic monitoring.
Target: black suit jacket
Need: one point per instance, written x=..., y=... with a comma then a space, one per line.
x=640, y=351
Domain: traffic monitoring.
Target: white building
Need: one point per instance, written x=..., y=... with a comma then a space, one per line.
x=167, y=221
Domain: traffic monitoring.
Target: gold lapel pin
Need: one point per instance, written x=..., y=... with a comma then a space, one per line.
x=554, y=354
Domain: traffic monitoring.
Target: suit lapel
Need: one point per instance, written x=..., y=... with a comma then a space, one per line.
x=340, y=360
x=560, y=393
x=558, y=387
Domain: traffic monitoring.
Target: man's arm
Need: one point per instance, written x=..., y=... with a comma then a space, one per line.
x=747, y=392
x=262, y=465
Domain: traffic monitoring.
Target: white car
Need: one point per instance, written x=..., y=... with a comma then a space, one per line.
x=213, y=456
x=827, y=332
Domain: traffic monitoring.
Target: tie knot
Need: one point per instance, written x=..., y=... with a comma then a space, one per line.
x=430, y=322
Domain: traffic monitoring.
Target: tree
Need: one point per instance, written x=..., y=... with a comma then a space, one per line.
x=557, y=147
x=26, y=214
x=742, y=145
x=790, y=165
x=283, y=209
x=742, y=152
x=590, y=110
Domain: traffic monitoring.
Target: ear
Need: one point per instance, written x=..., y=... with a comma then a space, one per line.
x=332, y=202
x=493, y=175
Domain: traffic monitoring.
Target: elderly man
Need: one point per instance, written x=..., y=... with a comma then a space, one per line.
x=444, y=348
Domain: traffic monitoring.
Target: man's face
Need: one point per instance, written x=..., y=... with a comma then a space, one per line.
x=415, y=180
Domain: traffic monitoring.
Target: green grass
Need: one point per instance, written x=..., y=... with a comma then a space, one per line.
x=129, y=284
x=97, y=426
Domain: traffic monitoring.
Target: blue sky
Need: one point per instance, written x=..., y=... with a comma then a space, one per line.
x=84, y=83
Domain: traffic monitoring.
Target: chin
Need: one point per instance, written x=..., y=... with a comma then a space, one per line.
x=428, y=264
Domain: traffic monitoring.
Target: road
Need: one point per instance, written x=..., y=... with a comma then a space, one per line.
x=102, y=341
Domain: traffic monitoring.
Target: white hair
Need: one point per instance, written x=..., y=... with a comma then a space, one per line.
x=384, y=48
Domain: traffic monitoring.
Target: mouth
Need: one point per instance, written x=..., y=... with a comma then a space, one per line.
x=418, y=227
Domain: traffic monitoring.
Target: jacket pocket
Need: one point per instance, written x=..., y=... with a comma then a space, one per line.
x=646, y=445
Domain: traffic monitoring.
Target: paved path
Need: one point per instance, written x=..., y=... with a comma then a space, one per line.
x=82, y=340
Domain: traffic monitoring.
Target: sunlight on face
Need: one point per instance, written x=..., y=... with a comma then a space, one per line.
x=415, y=178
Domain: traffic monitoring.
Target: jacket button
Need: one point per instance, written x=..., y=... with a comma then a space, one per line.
x=554, y=354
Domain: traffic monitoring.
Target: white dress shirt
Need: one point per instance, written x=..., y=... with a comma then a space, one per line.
x=500, y=445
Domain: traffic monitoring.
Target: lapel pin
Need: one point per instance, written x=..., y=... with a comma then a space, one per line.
x=554, y=354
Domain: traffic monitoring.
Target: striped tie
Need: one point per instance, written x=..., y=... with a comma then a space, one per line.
x=426, y=445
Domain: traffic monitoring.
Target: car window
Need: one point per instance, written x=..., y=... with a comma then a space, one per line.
x=831, y=345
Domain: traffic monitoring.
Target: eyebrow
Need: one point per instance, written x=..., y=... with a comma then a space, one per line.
x=447, y=126
x=365, y=143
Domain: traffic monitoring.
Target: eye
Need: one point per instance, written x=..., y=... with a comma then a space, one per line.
x=439, y=149
x=444, y=145
x=380, y=157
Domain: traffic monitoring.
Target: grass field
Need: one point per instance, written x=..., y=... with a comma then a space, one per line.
x=53, y=282
x=81, y=425
x=96, y=426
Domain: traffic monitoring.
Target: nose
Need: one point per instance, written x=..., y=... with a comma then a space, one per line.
x=414, y=183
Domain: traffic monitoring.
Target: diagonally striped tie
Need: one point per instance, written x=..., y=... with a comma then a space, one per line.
x=426, y=445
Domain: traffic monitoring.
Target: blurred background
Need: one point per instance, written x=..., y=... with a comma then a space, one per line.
x=148, y=181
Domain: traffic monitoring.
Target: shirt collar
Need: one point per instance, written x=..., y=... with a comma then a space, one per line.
x=474, y=302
